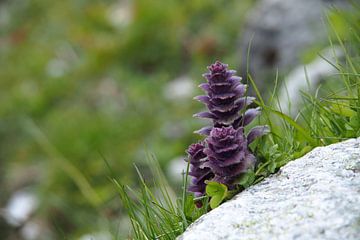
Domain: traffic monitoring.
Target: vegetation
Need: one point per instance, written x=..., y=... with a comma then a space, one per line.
x=82, y=86
x=328, y=118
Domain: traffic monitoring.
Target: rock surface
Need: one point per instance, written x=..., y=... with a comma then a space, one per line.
x=314, y=197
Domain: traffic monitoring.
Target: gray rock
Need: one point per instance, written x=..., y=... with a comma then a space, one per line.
x=314, y=197
x=279, y=31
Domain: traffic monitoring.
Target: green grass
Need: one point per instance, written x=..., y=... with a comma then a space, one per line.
x=156, y=213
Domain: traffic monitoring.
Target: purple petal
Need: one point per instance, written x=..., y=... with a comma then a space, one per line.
x=221, y=87
x=257, y=132
x=204, y=131
x=226, y=115
x=236, y=158
x=220, y=143
x=195, y=151
x=244, y=102
x=234, y=170
x=205, y=87
x=222, y=109
x=197, y=189
x=205, y=176
x=204, y=99
x=207, y=76
x=218, y=84
x=225, y=150
x=235, y=79
x=223, y=96
x=240, y=89
x=250, y=115
x=205, y=115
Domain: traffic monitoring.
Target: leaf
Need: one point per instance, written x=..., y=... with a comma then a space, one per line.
x=301, y=153
x=342, y=109
x=217, y=192
x=273, y=149
x=272, y=167
x=355, y=122
x=189, y=206
x=247, y=179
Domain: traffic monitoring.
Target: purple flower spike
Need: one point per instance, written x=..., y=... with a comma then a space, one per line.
x=228, y=154
x=225, y=95
x=198, y=170
x=225, y=155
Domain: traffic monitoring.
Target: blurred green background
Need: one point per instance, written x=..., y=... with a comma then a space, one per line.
x=86, y=80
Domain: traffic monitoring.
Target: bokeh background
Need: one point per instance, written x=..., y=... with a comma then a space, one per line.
x=88, y=87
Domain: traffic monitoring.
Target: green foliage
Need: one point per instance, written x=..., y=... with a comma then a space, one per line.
x=217, y=192
x=74, y=84
x=158, y=213
x=323, y=120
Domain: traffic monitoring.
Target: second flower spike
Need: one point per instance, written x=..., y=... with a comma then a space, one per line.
x=228, y=154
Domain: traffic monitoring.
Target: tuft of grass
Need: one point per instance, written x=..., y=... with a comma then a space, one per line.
x=155, y=212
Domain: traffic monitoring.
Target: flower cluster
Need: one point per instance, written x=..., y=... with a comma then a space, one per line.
x=228, y=154
x=224, y=155
x=198, y=170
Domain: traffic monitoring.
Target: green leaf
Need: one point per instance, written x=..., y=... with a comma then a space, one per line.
x=342, y=109
x=247, y=179
x=272, y=167
x=217, y=192
x=189, y=206
x=301, y=153
x=273, y=149
x=355, y=122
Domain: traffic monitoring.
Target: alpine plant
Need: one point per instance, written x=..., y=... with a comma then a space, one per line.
x=224, y=154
